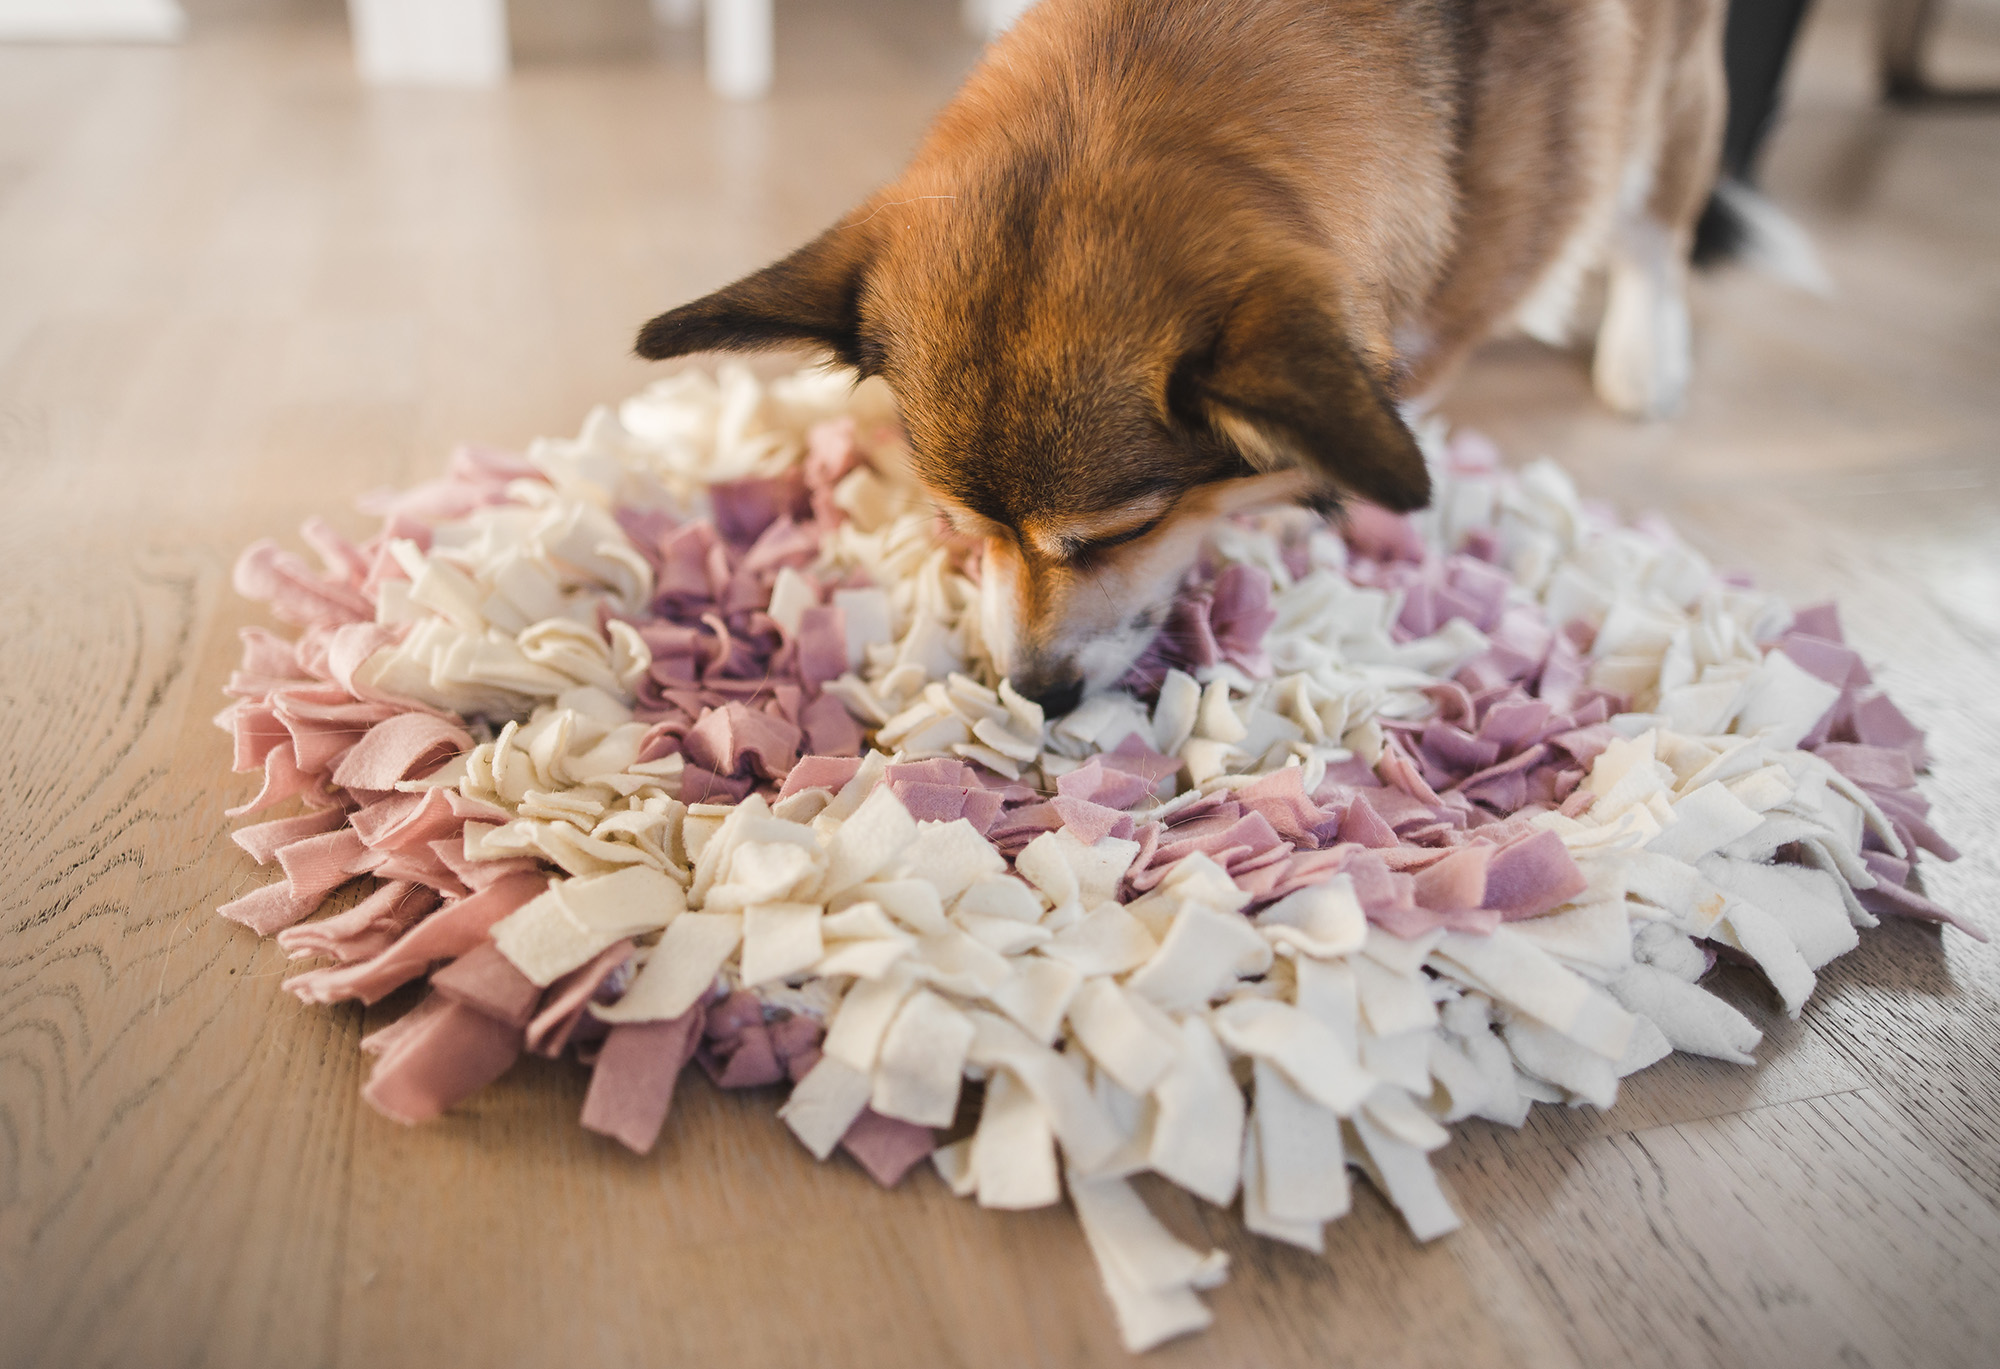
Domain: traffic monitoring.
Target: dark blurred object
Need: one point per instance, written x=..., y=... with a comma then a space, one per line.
x=1903, y=31
x=1756, y=47
x=1757, y=43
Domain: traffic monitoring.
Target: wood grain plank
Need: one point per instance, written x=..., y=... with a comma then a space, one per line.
x=154, y=1205
x=1815, y=1232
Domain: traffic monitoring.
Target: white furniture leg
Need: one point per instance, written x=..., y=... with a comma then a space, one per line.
x=990, y=18
x=91, y=21
x=430, y=42
x=739, y=48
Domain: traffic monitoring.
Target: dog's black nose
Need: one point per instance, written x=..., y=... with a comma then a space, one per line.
x=1056, y=697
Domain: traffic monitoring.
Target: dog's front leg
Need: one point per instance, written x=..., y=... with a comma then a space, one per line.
x=1643, y=353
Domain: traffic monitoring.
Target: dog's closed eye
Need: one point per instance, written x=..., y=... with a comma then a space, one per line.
x=1082, y=551
x=1078, y=539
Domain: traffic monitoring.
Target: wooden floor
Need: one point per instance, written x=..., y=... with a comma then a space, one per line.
x=236, y=290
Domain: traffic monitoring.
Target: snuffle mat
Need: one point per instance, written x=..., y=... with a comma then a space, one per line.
x=677, y=743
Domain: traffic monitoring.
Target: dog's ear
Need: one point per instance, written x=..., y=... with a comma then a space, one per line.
x=812, y=296
x=1281, y=384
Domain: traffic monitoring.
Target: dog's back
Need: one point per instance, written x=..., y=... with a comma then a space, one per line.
x=1461, y=163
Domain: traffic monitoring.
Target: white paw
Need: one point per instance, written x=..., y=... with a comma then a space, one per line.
x=1642, y=361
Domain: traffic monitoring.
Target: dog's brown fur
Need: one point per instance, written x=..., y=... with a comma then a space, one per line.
x=1162, y=259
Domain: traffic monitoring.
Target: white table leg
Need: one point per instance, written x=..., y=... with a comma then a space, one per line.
x=991, y=18
x=739, y=48
x=430, y=42
x=91, y=21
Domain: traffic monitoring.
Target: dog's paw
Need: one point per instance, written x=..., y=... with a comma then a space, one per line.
x=1643, y=354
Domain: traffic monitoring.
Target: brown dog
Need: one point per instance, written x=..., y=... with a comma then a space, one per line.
x=1161, y=260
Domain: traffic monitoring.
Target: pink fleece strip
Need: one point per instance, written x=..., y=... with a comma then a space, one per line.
x=632, y=1085
x=451, y=1055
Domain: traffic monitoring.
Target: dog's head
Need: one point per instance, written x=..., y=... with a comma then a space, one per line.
x=1090, y=376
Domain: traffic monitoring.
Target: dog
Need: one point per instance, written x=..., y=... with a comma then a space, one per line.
x=1161, y=261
